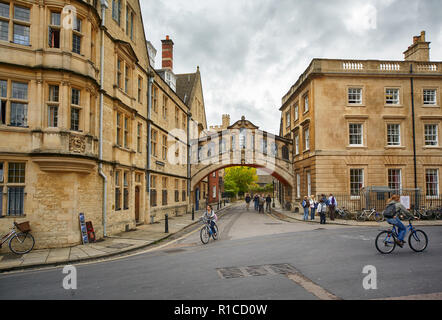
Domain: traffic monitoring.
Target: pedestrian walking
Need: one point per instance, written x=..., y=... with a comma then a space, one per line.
x=261, y=203
x=313, y=206
x=256, y=202
x=305, y=204
x=332, y=206
x=322, y=210
x=248, y=200
x=268, y=203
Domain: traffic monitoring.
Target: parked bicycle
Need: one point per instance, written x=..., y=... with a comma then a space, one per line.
x=20, y=242
x=366, y=215
x=387, y=240
x=206, y=231
x=342, y=213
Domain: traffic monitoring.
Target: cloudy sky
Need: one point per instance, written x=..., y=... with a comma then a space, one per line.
x=250, y=52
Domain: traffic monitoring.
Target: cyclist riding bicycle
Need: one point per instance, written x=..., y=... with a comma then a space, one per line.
x=392, y=210
x=211, y=216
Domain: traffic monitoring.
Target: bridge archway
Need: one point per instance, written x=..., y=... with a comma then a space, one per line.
x=243, y=144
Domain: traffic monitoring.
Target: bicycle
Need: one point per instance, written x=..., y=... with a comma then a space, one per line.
x=367, y=214
x=20, y=242
x=386, y=240
x=206, y=231
x=342, y=213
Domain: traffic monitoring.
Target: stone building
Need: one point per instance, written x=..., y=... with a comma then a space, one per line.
x=361, y=123
x=190, y=90
x=86, y=123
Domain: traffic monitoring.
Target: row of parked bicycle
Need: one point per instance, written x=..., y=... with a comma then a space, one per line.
x=374, y=215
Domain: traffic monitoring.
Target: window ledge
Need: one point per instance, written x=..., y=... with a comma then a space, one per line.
x=13, y=217
x=432, y=147
x=395, y=147
x=430, y=106
x=356, y=147
x=356, y=105
x=393, y=105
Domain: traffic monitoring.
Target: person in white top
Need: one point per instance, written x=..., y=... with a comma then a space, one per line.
x=313, y=206
x=332, y=204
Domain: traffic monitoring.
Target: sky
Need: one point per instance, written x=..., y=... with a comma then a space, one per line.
x=250, y=52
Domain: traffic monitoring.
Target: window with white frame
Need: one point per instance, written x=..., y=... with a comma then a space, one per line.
x=54, y=30
x=297, y=144
x=77, y=35
x=431, y=135
x=395, y=179
x=53, y=104
x=432, y=182
x=287, y=119
x=309, y=183
x=116, y=11
x=356, y=134
x=296, y=112
x=355, y=95
x=214, y=192
x=393, y=134
x=14, y=183
x=75, y=109
x=306, y=139
x=430, y=96
x=356, y=181
x=392, y=96
x=298, y=185
x=306, y=103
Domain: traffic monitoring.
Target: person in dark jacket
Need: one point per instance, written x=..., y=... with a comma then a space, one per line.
x=248, y=200
x=394, y=218
x=256, y=202
x=268, y=203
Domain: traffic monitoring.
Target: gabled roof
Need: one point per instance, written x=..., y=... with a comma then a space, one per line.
x=184, y=86
x=243, y=123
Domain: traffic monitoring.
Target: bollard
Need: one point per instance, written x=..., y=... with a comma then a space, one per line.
x=166, y=223
x=193, y=213
x=217, y=205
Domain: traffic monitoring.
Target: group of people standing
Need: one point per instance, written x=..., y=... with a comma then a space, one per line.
x=310, y=204
x=259, y=200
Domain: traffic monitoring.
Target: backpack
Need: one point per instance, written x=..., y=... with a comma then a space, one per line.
x=390, y=210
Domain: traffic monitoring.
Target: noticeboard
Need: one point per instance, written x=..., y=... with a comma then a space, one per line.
x=405, y=201
x=83, y=229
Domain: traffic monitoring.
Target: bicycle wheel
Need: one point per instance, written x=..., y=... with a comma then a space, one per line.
x=205, y=235
x=385, y=242
x=361, y=217
x=216, y=234
x=21, y=243
x=418, y=241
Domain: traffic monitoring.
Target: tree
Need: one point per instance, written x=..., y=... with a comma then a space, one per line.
x=241, y=177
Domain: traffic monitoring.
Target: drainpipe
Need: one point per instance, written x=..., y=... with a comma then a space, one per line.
x=414, y=135
x=104, y=6
x=188, y=158
x=149, y=132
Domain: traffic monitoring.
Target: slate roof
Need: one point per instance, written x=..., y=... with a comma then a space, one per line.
x=184, y=85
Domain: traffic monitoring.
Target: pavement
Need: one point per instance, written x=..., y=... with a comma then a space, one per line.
x=123, y=243
x=293, y=216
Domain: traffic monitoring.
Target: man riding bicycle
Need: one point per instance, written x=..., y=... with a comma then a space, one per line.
x=211, y=217
x=392, y=210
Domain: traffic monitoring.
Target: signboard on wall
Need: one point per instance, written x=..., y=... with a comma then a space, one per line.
x=405, y=201
x=83, y=229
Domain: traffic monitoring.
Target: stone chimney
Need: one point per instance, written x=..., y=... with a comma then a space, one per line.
x=167, y=49
x=226, y=121
x=419, y=50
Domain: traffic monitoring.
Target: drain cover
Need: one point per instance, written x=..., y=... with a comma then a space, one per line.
x=256, y=271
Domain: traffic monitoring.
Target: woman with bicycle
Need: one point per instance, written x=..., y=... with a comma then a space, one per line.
x=392, y=210
x=211, y=216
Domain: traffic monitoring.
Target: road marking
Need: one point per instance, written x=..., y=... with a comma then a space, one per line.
x=312, y=287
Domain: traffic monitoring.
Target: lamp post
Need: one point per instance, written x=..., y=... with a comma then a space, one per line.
x=273, y=181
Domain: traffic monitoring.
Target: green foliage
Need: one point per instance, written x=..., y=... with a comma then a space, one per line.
x=267, y=189
x=239, y=179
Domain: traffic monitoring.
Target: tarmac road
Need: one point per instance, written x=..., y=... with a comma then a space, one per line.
x=256, y=257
